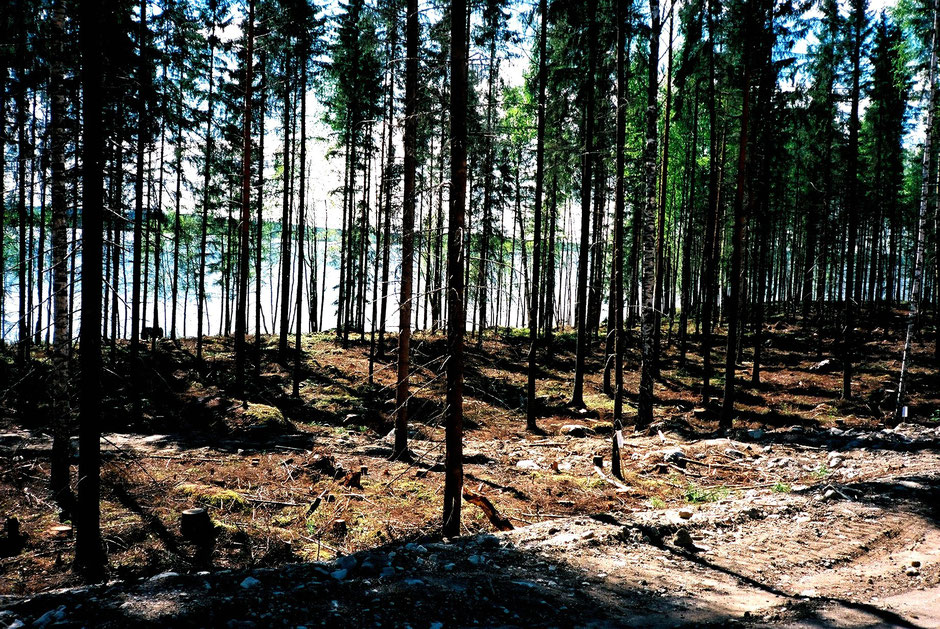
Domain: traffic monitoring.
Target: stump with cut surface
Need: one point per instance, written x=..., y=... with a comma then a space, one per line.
x=196, y=526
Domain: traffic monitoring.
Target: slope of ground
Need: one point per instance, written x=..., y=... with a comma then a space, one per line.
x=813, y=510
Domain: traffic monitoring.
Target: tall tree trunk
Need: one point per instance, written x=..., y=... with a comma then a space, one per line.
x=587, y=160
x=537, y=228
x=482, y=279
x=686, y=282
x=142, y=125
x=711, y=219
x=925, y=195
x=241, y=314
x=456, y=319
x=661, y=219
x=177, y=223
x=301, y=221
x=616, y=307
x=647, y=316
x=284, y=319
x=59, y=461
x=259, y=225
x=206, y=179
x=737, y=238
x=89, y=551
x=408, y=226
x=851, y=173
x=22, y=155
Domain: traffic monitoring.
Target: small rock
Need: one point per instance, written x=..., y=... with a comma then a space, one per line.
x=346, y=562
x=51, y=616
x=574, y=430
x=340, y=574
x=476, y=560
x=674, y=456
x=527, y=464
x=164, y=575
x=912, y=572
x=829, y=494
x=915, y=564
x=250, y=582
x=449, y=566
x=685, y=514
x=755, y=434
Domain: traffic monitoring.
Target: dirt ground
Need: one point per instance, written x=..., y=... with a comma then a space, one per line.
x=812, y=512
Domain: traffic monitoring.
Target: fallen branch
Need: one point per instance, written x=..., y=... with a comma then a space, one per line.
x=501, y=523
x=683, y=470
x=276, y=503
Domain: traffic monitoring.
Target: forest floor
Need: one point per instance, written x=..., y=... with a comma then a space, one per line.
x=812, y=512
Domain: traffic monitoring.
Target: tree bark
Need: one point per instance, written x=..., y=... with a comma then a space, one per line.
x=241, y=313
x=89, y=552
x=925, y=196
x=587, y=160
x=648, y=317
x=456, y=320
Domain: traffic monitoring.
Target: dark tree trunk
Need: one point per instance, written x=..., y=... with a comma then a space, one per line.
x=925, y=194
x=301, y=223
x=259, y=225
x=206, y=178
x=456, y=320
x=647, y=316
x=587, y=160
x=851, y=174
x=89, y=552
x=616, y=306
x=711, y=219
x=244, y=225
x=59, y=461
x=284, y=319
x=661, y=219
x=143, y=70
x=408, y=226
x=537, y=229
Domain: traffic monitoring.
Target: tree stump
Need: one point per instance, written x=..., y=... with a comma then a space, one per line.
x=196, y=526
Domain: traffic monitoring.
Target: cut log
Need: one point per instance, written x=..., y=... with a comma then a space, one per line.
x=498, y=521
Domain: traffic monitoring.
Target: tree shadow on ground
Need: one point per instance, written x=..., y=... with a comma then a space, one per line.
x=474, y=581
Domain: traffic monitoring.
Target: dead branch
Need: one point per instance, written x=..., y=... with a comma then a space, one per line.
x=498, y=521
